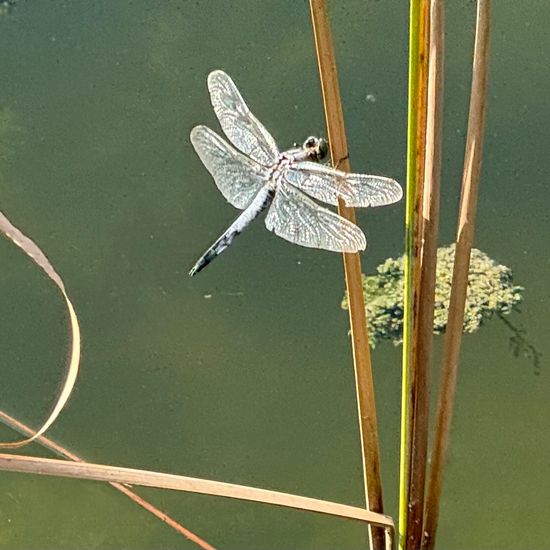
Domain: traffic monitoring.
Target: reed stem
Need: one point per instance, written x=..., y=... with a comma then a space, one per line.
x=51, y=445
x=160, y=480
x=427, y=263
x=418, y=72
x=368, y=429
x=464, y=242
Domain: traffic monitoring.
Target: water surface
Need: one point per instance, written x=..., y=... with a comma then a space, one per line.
x=243, y=374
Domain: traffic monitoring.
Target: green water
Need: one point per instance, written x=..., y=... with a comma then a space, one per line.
x=253, y=384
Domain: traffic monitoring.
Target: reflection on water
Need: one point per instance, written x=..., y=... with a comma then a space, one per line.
x=253, y=385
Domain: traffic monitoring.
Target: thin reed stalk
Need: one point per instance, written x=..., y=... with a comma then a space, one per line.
x=464, y=242
x=368, y=429
x=427, y=258
x=132, y=495
x=416, y=136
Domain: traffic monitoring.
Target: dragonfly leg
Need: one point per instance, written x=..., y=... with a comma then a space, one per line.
x=340, y=160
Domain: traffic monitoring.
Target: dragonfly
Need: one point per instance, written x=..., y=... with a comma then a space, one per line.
x=254, y=176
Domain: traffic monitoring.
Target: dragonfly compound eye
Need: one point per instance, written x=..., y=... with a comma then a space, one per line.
x=310, y=142
x=322, y=145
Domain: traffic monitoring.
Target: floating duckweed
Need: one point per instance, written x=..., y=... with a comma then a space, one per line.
x=490, y=292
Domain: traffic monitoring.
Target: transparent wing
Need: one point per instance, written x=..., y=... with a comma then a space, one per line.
x=298, y=219
x=327, y=184
x=243, y=129
x=238, y=178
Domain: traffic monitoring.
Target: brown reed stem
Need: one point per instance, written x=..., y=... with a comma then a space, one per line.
x=431, y=88
x=65, y=453
x=464, y=242
x=368, y=429
x=160, y=480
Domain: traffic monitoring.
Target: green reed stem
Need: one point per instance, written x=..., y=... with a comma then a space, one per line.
x=413, y=122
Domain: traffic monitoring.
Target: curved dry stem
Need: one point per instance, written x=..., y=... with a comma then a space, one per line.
x=35, y=253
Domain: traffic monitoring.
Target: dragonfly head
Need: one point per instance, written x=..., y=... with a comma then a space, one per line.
x=316, y=148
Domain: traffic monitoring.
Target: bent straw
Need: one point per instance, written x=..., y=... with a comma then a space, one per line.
x=39, y=258
x=147, y=478
x=464, y=242
x=368, y=430
x=61, y=451
x=429, y=225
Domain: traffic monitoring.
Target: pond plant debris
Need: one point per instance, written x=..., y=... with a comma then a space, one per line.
x=31, y=249
x=491, y=292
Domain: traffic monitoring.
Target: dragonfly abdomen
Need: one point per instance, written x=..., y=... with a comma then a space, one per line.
x=260, y=202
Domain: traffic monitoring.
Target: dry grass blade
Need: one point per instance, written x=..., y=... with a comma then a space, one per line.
x=146, y=478
x=33, y=251
x=61, y=451
x=426, y=267
x=465, y=236
x=352, y=267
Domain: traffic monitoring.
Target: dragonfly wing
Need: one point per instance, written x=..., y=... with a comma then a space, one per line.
x=243, y=129
x=298, y=219
x=238, y=178
x=327, y=184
